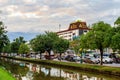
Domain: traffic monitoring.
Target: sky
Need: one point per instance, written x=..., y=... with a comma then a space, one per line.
x=30, y=17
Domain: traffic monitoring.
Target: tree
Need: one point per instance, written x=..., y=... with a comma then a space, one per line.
x=115, y=43
x=3, y=37
x=16, y=44
x=117, y=22
x=75, y=45
x=7, y=48
x=115, y=38
x=45, y=42
x=23, y=49
x=61, y=45
x=95, y=38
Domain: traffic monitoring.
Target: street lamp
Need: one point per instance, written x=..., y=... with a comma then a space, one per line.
x=40, y=54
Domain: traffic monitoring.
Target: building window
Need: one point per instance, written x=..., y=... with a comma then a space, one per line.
x=85, y=31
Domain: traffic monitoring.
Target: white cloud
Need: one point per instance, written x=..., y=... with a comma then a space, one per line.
x=30, y=1
x=44, y=8
x=15, y=11
x=24, y=15
x=116, y=12
x=3, y=1
x=39, y=15
x=116, y=0
x=15, y=14
x=11, y=8
x=62, y=12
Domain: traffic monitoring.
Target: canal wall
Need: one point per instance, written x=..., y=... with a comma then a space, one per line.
x=106, y=70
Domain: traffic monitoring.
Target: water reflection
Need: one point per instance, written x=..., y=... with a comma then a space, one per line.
x=29, y=71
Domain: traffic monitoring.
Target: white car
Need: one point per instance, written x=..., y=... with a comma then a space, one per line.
x=107, y=60
x=95, y=60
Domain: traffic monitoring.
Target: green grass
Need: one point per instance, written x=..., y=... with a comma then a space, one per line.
x=4, y=75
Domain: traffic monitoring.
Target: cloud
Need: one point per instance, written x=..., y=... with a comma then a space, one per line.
x=11, y=8
x=44, y=8
x=116, y=0
x=43, y=15
x=24, y=15
x=30, y=1
x=3, y=1
x=15, y=11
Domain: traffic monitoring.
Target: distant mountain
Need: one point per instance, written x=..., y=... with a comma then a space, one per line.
x=27, y=36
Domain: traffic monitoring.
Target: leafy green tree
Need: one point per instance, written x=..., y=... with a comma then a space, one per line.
x=75, y=45
x=95, y=38
x=16, y=44
x=51, y=38
x=115, y=38
x=3, y=37
x=117, y=22
x=14, y=47
x=61, y=45
x=7, y=48
x=45, y=42
x=115, y=42
x=23, y=49
x=38, y=43
x=83, y=43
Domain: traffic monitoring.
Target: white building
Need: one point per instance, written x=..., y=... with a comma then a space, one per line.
x=75, y=29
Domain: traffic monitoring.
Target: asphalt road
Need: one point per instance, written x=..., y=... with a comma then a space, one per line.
x=113, y=65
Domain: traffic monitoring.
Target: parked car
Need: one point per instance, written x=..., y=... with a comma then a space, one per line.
x=107, y=60
x=61, y=58
x=75, y=58
x=69, y=57
x=92, y=60
x=116, y=57
x=49, y=56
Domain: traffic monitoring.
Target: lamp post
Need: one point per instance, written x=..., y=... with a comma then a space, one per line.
x=81, y=52
x=39, y=53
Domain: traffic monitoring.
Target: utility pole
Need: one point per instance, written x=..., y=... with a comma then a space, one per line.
x=59, y=26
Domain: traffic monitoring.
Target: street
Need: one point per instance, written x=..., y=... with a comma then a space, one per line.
x=113, y=65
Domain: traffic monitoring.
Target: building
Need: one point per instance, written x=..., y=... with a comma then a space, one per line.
x=75, y=29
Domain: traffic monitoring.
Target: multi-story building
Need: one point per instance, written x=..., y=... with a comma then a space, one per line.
x=75, y=29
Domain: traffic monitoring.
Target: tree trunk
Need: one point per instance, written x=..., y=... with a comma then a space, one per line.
x=49, y=56
x=101, y=56
x=40, y=55
x=60, y=56
x=60, y=73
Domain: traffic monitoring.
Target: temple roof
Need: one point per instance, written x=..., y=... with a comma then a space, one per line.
x=76, y=25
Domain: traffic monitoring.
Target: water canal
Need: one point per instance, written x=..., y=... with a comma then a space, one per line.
x=30, y=71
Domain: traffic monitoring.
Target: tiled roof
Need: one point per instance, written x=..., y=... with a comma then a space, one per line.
x=76, y=26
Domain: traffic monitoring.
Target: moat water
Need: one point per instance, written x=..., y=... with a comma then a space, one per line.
x=30, y=71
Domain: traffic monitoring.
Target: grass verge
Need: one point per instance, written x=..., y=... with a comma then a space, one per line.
x=4, y=75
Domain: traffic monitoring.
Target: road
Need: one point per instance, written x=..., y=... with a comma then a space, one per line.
x=113, y=65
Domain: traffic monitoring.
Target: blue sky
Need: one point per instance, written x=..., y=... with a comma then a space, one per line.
x=36, y=16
